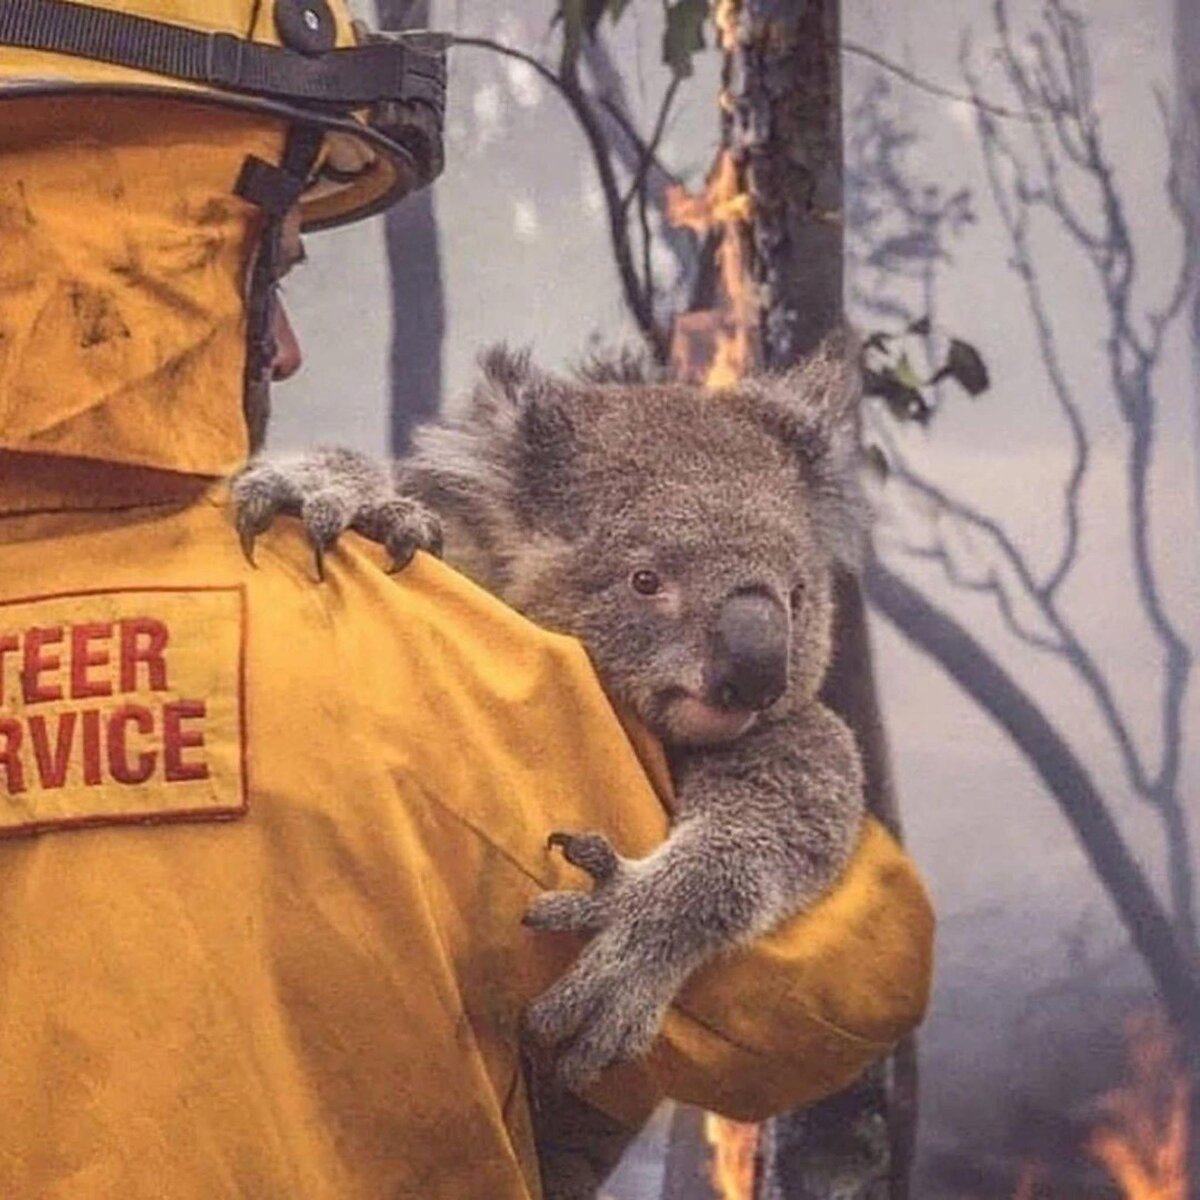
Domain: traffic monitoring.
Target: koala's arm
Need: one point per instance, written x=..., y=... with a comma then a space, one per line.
x=765, y=825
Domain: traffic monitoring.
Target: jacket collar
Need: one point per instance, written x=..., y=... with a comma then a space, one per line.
x=40, y=483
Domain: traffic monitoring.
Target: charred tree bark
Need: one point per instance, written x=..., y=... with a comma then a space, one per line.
x=418, y=299
x=783, y=127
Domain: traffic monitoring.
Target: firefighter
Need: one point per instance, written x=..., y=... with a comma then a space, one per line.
x=265, y=844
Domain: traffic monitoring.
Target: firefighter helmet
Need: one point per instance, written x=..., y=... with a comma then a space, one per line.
x=377, y=100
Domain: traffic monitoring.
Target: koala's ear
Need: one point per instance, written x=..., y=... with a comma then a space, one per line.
x=531, y=420
x=814, y=407
x=814, y=410
x=502, y=456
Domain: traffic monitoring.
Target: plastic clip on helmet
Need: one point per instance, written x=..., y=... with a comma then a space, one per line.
x=363, y=111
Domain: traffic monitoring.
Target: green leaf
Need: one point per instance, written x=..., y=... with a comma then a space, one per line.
x=905, y=402
x=684, y=36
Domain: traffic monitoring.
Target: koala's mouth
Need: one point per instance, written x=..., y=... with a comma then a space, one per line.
x=687, y=719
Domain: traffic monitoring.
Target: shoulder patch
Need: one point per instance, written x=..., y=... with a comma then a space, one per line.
x=122, y=707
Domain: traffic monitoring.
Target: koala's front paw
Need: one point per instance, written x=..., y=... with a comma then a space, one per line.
x=332, y=491
x=602, y=1012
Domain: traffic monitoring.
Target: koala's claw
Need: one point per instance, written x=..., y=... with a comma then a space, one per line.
x=325, y=516
x=247, y=537
x=590, y=852
x=579, y=912
x=260, y=494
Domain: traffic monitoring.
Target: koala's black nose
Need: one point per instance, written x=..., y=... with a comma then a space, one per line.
x=750, y=652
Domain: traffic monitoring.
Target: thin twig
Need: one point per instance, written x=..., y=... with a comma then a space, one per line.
x=638, y=188
x=621, y=120
x=936, y=89
x=650, y=149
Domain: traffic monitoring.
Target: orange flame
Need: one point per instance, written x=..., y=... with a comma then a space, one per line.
x=725, y=17
x=1143, y=1140
x=1142, y=1137
x=734, y=1147
x=718, y=346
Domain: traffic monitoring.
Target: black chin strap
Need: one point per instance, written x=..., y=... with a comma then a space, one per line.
x=276, y=190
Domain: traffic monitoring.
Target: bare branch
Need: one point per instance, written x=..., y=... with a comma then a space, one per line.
x=1186, y=213
x=935, y=89
x=638, y=186
x=649, y=150
x=996, y=148
x=1067, y=645
x=640, y=146
x=989, y=585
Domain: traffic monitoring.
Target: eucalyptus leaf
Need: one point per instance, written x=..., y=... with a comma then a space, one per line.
x=582, y=17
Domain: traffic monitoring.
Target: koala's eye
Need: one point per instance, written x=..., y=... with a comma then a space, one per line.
x=646, y=583
x=797, y=596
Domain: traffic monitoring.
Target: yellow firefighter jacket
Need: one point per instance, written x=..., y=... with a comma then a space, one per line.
x=265, y=843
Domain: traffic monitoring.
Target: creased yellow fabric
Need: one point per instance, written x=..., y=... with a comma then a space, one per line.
x=321, y=999
x=122, y=255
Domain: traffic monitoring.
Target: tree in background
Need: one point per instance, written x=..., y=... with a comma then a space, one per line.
x=418, y=297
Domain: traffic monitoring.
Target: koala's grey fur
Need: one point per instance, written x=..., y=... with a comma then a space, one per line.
x=556, y=495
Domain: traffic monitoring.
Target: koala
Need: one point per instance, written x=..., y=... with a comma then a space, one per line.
x=689, y=539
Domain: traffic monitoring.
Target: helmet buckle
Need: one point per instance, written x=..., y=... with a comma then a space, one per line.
x=224, y=60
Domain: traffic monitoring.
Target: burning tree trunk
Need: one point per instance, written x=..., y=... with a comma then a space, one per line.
x=774, y=200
